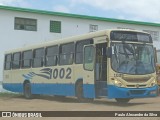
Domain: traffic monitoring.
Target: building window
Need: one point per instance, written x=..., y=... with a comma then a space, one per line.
x=66, y=54
x=55, y=26
x=154, y=34
x=25, y=24
x=52, y=55
x=8, y=60
x=26, y=59
x=38, y=59
x=93, y=28
x=16, y=60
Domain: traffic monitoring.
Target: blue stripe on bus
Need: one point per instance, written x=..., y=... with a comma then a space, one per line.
x=52, y=89
x=48, y=89
x=89, y=90
x=13, y=87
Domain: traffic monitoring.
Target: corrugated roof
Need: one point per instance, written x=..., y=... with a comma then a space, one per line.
x=78, y=16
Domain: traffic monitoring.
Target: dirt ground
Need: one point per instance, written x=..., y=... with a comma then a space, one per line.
x=51, y=103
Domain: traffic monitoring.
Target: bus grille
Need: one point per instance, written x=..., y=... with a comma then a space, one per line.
x=136, y=80
x=136, y=92
x=134, y=86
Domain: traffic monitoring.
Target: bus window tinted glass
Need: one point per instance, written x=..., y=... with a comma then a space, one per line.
x=38, y=59
x=26, y=59
x=51, y=55
x=66, y=54
x=16, y=60
x=8, y=59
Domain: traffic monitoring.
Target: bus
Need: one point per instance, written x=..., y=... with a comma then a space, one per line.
x=158, y=67
x=114, y=63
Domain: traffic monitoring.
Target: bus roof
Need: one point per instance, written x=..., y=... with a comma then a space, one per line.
x=69, y=39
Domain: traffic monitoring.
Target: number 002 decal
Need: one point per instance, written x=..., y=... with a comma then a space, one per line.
x=62, y=73
x=49, y=73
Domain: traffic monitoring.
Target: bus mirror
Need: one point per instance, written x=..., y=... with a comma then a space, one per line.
x=109, y=52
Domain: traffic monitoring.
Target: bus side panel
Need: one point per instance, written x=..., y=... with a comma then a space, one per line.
x=89, y=90
x=53, y=89
x=48, y=89
x=11, y=81
x=57, y=80
x=13, y=87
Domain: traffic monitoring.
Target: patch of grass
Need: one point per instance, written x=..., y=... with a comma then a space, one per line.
x=9, y=94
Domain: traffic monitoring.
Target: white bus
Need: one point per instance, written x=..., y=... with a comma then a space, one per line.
x=115, y=63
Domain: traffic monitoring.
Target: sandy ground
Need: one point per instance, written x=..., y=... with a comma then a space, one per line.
x=49, y=103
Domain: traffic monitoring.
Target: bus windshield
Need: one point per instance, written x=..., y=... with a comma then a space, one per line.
x=132, y=58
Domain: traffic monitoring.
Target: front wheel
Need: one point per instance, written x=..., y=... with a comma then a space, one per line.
x=27, y=91
x=122, y=100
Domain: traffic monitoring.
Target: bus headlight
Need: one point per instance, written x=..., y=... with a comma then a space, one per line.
x=118, y=83
x=153, y=83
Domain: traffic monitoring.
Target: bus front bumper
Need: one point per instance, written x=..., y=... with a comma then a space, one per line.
x=119, y=92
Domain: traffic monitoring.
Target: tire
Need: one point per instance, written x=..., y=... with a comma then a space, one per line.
x=79, y=93
x=122, y=100
x=27, y=91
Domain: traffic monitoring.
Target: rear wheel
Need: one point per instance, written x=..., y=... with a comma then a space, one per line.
x=122, y=100
x=27, y=91
x=79, y=93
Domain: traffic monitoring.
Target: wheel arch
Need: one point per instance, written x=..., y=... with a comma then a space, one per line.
x=25, y=82
x=78, y=81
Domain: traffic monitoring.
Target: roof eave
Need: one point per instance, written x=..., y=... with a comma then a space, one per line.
x=78, y=16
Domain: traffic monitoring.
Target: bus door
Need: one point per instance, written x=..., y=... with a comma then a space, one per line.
x=95, y=70
x=88, y=71
x=101, y=70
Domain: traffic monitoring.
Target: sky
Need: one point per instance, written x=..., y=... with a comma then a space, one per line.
x=137, y=10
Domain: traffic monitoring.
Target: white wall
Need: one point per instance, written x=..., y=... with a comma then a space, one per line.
x=11, y=38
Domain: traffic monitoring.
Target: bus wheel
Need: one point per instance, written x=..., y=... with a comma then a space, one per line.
x=79, y=93
x=27, y=91
x=122, y=100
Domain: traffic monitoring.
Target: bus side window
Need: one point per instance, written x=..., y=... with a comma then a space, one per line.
x=66, y=56
x=51, y=55
x=16, y=60
x=8, y=60
x=27, y=59
x=38, y=57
